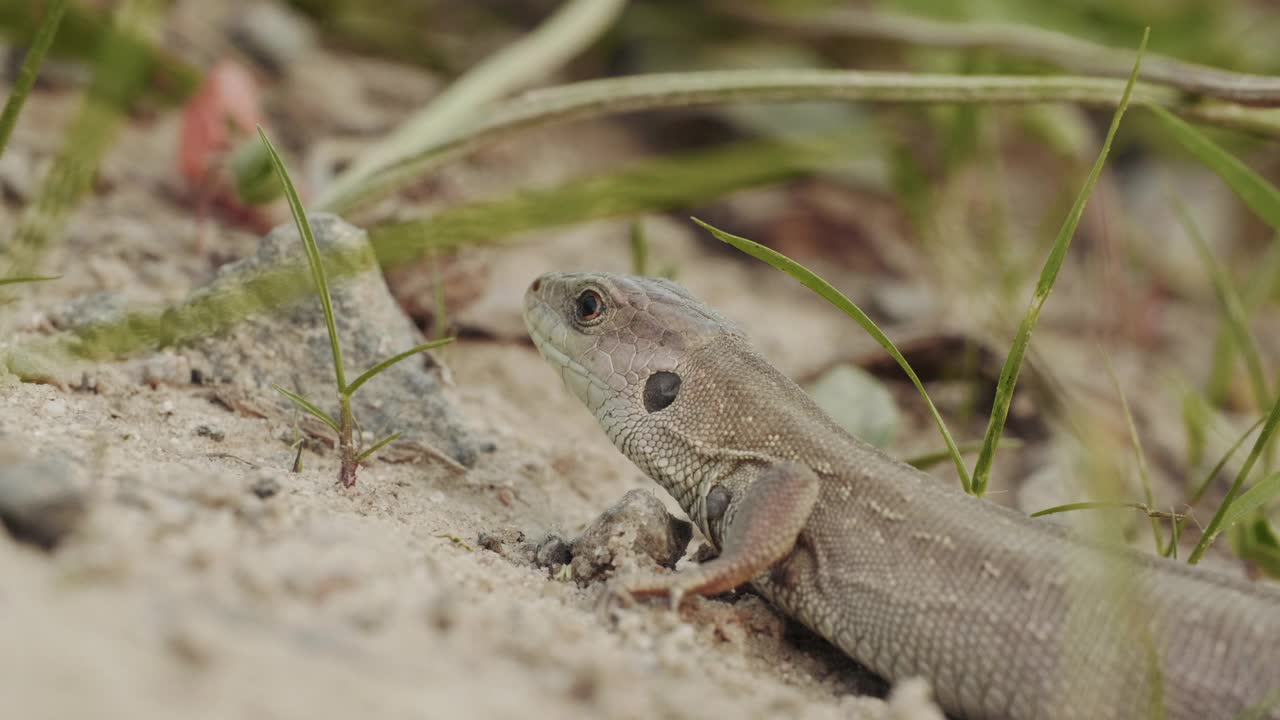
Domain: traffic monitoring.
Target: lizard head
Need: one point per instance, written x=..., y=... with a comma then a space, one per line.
x=618, y=341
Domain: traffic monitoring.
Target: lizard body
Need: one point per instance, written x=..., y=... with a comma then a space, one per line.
x=1006, y=616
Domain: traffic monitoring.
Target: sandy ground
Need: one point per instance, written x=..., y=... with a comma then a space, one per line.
x=184, y=592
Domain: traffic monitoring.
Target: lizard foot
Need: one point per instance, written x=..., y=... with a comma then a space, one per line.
x=625, y=593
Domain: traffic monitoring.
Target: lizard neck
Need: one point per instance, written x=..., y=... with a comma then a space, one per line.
x=732, y=408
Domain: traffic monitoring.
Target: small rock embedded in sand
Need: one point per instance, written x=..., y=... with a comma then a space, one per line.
x=289, y=346
x=497, y=541
x=638, y=526
x=552, y=551
x=265, y=486
x=208, y=431
x=42, y=499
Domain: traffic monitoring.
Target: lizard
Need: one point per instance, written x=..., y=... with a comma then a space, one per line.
x=1006, y=616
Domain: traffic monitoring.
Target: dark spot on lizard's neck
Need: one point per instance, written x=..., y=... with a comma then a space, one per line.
x=660, y=390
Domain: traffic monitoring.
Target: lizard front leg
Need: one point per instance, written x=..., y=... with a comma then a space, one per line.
x=760, y=519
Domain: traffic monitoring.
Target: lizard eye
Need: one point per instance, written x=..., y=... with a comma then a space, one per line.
x=588, y=306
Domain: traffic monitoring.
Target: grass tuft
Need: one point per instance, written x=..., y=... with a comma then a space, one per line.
x=345, y=425
x=1261, y=196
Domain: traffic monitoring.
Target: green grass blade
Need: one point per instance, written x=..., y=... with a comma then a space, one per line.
x=313, y=257
x=573, y=27
x=369, y=374
x=1144, y=472
x=1048, y=275
x=635, y=93
x=1175, y=532
x=1222, y=462
x=1233, y=311
x=1262, y=280
x=119, y=71
x=376, y=447
x=1262, y=710
x=308, y=406
x=28, y=279
x=30, y=68
x=440, y=310
x=1215, y=527
x=1261, y=196
x=1255, y=498
x=1012, y=39
x=639, y=248
x=807, y=278
x=683, y=180
x=1072, y=507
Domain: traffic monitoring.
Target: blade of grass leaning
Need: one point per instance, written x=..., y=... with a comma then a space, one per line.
x=1259, y=286
x=574, y=26
x=1072, y=507
x=639, y=248
x=629, y=94
x=1048, y=275
x=1144, y=472
x=810, y=280
x=30, y=68
x=1214, y=528
x=654, y=185
x=439, y=310
x=1175, y=536
x=28, y=279
x=1261, y=196
x=1233, y=311
x=1016, y=40
x=376, y=447
x=1199, y=492
x=369, y=374
x=313, y=257
x=1261, y=710
x=1099, y=505
x=1256, y=543
x=308, y=406
x=1251, y=500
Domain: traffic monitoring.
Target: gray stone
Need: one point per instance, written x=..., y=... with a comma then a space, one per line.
x=637, y=528
x=42, y=499
x=289, y=346
x=859, y=403
x=273, y=35
x=552, y=551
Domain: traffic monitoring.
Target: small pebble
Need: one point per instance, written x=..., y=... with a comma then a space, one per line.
x=212, y=433
x=265, y=486
x=638, y=527
x=553, y=551
x=41, y=500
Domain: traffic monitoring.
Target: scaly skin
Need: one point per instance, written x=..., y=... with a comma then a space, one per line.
x=1007, y=617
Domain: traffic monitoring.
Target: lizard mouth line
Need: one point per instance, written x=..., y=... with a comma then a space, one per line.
x=534, y=318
